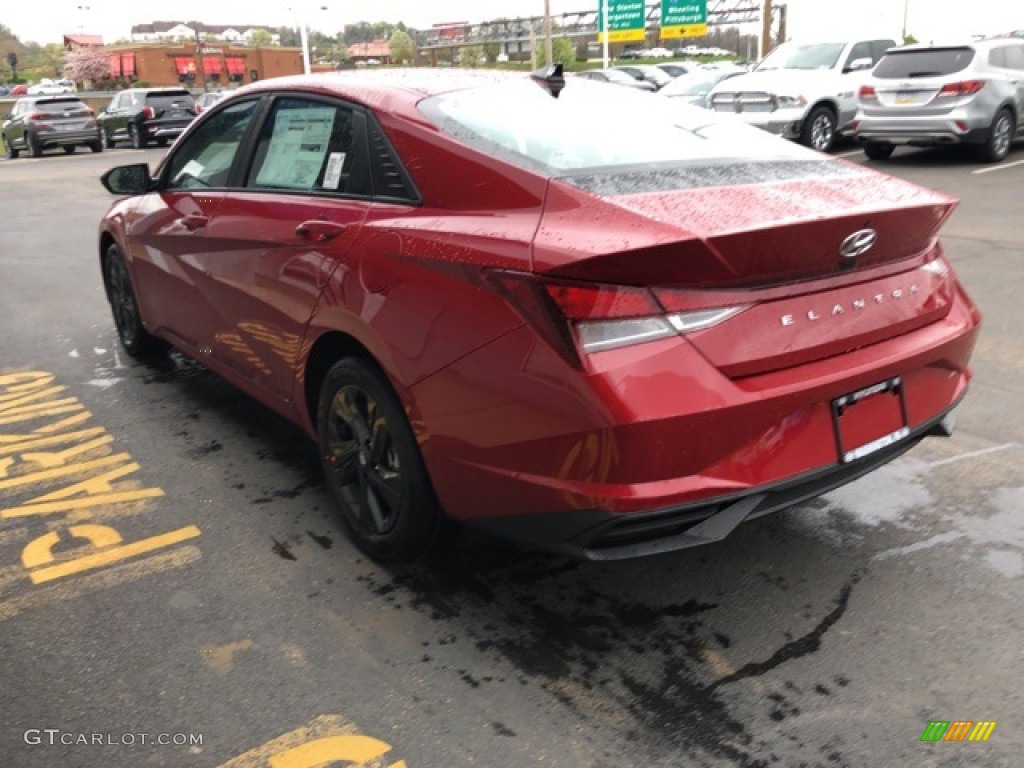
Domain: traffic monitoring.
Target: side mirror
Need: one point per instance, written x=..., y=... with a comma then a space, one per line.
x=127, y=179
x=859, y=65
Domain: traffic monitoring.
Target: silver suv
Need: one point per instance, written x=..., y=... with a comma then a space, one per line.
x=930, y=95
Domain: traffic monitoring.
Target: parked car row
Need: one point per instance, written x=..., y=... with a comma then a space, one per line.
x=138, y=116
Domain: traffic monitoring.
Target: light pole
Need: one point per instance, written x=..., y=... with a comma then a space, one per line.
x=906, y=7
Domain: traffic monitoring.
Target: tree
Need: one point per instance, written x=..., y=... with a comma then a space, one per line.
x=88, y=64
x=401, y=47
x=492, y=51
x=472, y=56
x=51, y=60
x=260, y=38
x=909, y=39
x=562, y=50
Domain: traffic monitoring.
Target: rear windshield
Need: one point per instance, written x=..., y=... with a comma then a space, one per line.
x=593, y=128
x=165, y=100
x=932, y=62
x=59, y=105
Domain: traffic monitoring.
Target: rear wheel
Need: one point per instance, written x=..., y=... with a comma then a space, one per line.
x=819, y=129
x=135, y=339
x=34, y=150
x=373, y=465
x=9, y=151
x=1000, y=137
x=96, y=146
x=69, y=150
x=879, y=150
x=136, y=136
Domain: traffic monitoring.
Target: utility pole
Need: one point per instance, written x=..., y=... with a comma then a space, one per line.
x=766, y=28
x=906, y=7
x=548, y=52
x=200, y=68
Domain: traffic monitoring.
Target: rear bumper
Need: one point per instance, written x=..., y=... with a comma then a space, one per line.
x=67, y=138
x=598, y=535
x=954, y=127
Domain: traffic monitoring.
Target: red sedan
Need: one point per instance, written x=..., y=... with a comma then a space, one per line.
x=573, y=315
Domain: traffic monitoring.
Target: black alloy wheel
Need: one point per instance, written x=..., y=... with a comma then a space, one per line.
x=136, y=136
x=96, y=146
x=70, y=149
x=373, y=466
x=34, y=150
x=135, y=339
x=108, y=142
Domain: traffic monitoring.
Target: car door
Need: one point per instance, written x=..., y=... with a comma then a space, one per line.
x=277, y=238
x=168, y=242
x=14, y=130
x=108, y=120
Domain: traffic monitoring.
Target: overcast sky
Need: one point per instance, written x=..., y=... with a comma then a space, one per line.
x=48, y=20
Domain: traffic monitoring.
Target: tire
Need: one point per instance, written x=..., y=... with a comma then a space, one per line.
x=96, y=146
x=135, y=339
x=819, y=130
x=879, y=150
x=9, y=151
x=108, y=142
x=1000, y=137
x=136, y=136
x=161, y=142
x=34, y=150
x=69, y=150
x=373, y=466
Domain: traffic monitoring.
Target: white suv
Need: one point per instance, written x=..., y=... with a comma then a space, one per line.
x=806, y=92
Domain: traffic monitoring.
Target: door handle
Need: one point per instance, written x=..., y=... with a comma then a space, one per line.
x=317, y=231
x=193, y=221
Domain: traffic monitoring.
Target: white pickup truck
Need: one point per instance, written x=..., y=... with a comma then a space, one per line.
x=802, y=91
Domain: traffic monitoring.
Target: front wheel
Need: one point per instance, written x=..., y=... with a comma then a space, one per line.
x=107, y=141
x=879, y=150
x=819, y=129
x=69, y=150
x=96, y=146
x=135, y=339
x=1000, y=138
x=373, y=465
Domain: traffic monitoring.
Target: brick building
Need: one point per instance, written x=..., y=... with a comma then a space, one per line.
x=223, y=65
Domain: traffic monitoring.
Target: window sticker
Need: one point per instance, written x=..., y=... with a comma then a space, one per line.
x=332, y=176
x=192, y=168
x=297, y=148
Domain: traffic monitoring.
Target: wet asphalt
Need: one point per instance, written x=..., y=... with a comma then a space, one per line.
x=828, y=635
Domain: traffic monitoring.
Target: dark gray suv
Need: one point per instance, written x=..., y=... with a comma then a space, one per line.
x=925, y=95
x=143, y=116
x=38, y=123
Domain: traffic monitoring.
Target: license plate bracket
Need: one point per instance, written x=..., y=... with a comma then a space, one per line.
x=870, y=419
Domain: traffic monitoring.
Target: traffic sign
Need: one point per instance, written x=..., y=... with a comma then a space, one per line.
x=627, y=20
x=684, y=18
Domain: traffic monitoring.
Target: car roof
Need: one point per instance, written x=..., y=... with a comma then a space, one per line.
x=388, y=90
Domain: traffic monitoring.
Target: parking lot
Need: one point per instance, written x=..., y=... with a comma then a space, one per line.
x=172, y=579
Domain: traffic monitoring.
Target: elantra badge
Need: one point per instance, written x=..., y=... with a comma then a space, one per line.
x=858, y=243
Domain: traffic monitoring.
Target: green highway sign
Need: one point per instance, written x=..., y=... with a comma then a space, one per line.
x=627, y=20
x=684, y=18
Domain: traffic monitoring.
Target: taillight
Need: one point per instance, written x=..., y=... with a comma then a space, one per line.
x=964, y=88
x=148, y=113
x=597, y=317
x=867, y=92
x=198, y=108
x=38, y=116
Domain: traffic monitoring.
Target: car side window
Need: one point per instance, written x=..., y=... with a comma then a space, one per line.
x=205, y=158
x=310, y=146
x=878, y=49
x=859, y=51
x=1014, y=57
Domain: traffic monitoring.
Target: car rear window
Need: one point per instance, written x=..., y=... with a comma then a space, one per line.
x=590, y=127
x=166, y=99
x=59, y=105
x=932, y=62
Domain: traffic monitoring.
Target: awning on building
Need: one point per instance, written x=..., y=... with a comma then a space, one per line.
x=211, y=66
x=184, y=65
x=235, y=66
x=115, y=65
x=128, y=64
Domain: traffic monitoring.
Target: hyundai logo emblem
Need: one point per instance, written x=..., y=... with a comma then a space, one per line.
x=859, y=242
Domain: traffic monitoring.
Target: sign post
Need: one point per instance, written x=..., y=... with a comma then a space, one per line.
x=683, y=18
x=621, y=21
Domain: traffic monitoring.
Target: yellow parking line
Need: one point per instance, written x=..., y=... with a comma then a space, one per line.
x=68, y=505
x=73, y=469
